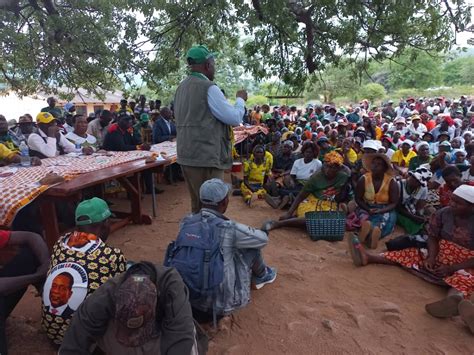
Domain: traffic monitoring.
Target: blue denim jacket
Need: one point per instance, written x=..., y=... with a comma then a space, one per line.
x=237, y=242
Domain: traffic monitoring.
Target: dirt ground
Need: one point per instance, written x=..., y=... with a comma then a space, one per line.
x=319, y=304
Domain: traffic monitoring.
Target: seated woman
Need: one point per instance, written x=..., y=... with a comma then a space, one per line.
x=401, y=158
x=377, y=196
x=300, y=173
x=324, y=147
x=423, y=157
x=257, y=171
x=458, y=157
x=411, y=213
x=451, y=179
x=346, y=151
x=322, y=188
x=80, y=135
x=448, y=260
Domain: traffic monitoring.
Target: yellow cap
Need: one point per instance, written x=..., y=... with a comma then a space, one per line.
x=44, y=117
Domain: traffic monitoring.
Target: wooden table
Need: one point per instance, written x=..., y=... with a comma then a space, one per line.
x=128, y=174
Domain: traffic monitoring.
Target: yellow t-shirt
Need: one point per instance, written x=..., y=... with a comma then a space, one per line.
x=402, y=160
x=351, y=155
x=6, y=153
x=268, y=158
x=256, y=173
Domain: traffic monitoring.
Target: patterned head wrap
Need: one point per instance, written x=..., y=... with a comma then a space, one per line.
x=422, y=175
x=333, y=158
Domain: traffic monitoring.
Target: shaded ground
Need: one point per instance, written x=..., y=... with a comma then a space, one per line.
x=320, y=303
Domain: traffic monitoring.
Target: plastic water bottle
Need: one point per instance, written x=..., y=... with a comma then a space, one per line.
x=25, y=154
x=78, y=148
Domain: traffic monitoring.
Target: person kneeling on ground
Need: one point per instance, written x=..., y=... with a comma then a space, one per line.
x=18, y=269
x=237, y=258
x=448, y=259
x=81, y=262
x=143, y=311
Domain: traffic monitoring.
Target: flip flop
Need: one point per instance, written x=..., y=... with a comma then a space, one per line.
x=445, y=308
x=365, y=229
x=466, y=311
x=267, y=226
x=354, y=249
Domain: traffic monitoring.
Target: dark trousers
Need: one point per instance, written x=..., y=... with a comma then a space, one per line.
x=23, y=263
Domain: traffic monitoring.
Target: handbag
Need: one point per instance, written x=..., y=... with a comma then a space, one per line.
x=326, y=225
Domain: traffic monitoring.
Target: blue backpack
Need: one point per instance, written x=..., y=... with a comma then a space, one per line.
x=197, y=256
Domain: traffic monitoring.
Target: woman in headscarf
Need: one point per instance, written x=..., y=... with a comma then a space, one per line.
x=327, y=186
x=411, y=213
x=376, y=194
x=423, y=157
x=448, y=259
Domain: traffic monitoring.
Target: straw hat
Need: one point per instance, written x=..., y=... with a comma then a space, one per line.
x=367, y=162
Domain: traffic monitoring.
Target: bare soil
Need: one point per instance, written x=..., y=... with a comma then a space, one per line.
x=319, y=304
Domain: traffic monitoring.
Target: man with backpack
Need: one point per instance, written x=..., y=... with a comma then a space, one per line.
x=217, y=257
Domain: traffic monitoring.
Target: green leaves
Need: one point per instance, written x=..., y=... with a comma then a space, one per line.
x=95, y=43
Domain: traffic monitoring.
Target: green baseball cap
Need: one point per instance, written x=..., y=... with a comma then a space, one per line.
x=144, y=117
x=96, y=210
x=199, y=54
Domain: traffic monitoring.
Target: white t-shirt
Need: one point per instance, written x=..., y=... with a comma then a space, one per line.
x=304, y=171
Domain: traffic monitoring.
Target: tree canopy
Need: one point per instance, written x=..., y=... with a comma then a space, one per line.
x=96, y=44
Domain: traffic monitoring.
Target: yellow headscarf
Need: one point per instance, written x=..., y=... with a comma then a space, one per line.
x=333, y=158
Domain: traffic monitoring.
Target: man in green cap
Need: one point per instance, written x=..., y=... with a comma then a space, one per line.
x=81, y=262
x=204, y=120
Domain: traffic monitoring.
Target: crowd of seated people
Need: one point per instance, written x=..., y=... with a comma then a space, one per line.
x=411, y=166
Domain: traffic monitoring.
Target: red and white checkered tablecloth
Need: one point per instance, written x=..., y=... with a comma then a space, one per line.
x=19, y=189
x=242, y=132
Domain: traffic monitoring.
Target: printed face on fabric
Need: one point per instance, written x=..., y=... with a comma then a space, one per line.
x=76, y=271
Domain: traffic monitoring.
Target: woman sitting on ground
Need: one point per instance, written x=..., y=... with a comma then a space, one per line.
x=411, y=212
x=327, y=185
x=257, y=171
x=423, y=157
x=448, y=260
x=452, y=178
x=346, y=151
x=80, y=135
x=300, y=173
x=377, y=196
x=401, y=158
